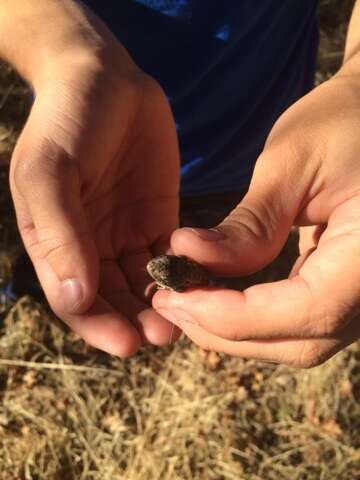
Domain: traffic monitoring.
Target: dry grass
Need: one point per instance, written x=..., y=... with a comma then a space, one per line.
x=68, y=411
x=168, y=414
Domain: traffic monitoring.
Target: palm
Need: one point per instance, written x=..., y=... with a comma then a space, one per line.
x=132, y=211
x=129, y=230
x=305, y=319
x=105, y=200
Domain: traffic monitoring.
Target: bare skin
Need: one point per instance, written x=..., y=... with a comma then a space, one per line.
x=94, y=176
x=101, y=140
x=305, y=319
x=308, y=175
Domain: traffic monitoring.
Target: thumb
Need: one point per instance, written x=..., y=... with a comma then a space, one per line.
x=45, y=186
x=252, y=235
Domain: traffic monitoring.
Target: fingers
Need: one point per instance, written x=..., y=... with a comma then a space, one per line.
x=253, y=233
x=101, y=326
x=46, y=191
x=133, y=264
x=319, y=302
x=151, y=326
x=298, y=353
x=308, y=240
x=105, y=328
x=309, y=237
x=262, y=311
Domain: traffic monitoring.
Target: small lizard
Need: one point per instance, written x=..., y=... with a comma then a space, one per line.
x=177, y=273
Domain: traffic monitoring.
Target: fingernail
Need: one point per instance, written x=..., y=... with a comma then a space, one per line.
x=72, y=294
x=209, y=235
x=176, y=315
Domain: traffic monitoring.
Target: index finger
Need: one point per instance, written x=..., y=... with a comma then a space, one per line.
x=315, y=303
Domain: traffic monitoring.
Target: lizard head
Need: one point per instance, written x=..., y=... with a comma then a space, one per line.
x=169, y=271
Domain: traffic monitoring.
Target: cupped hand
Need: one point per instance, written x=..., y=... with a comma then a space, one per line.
x=94, y=178
x=308, y=175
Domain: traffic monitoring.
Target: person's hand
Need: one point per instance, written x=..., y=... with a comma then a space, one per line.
x=308, y=175
x=94, y=178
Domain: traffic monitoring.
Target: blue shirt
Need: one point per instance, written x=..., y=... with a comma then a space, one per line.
x=229, y=69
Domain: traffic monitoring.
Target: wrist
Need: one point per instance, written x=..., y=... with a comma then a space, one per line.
x=48, y=38
x=78, y=65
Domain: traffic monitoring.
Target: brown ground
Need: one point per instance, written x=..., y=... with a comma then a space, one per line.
x=68, y=411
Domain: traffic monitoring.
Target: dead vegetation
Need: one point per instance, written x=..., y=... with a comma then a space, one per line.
x=67, y=411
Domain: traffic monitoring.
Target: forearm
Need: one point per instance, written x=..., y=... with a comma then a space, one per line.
x=42, y=33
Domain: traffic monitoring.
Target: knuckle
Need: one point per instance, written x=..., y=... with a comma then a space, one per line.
x=327, y=321
x=26, y=172
x=321, y=319
x=309, y=355
x=333, y=323
x=52, y=248
x=236, y=333
x=153, y=96
x=46, y=160
x=47, y=249
x=258, y=221
x=152, y=87
x=54, y=251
